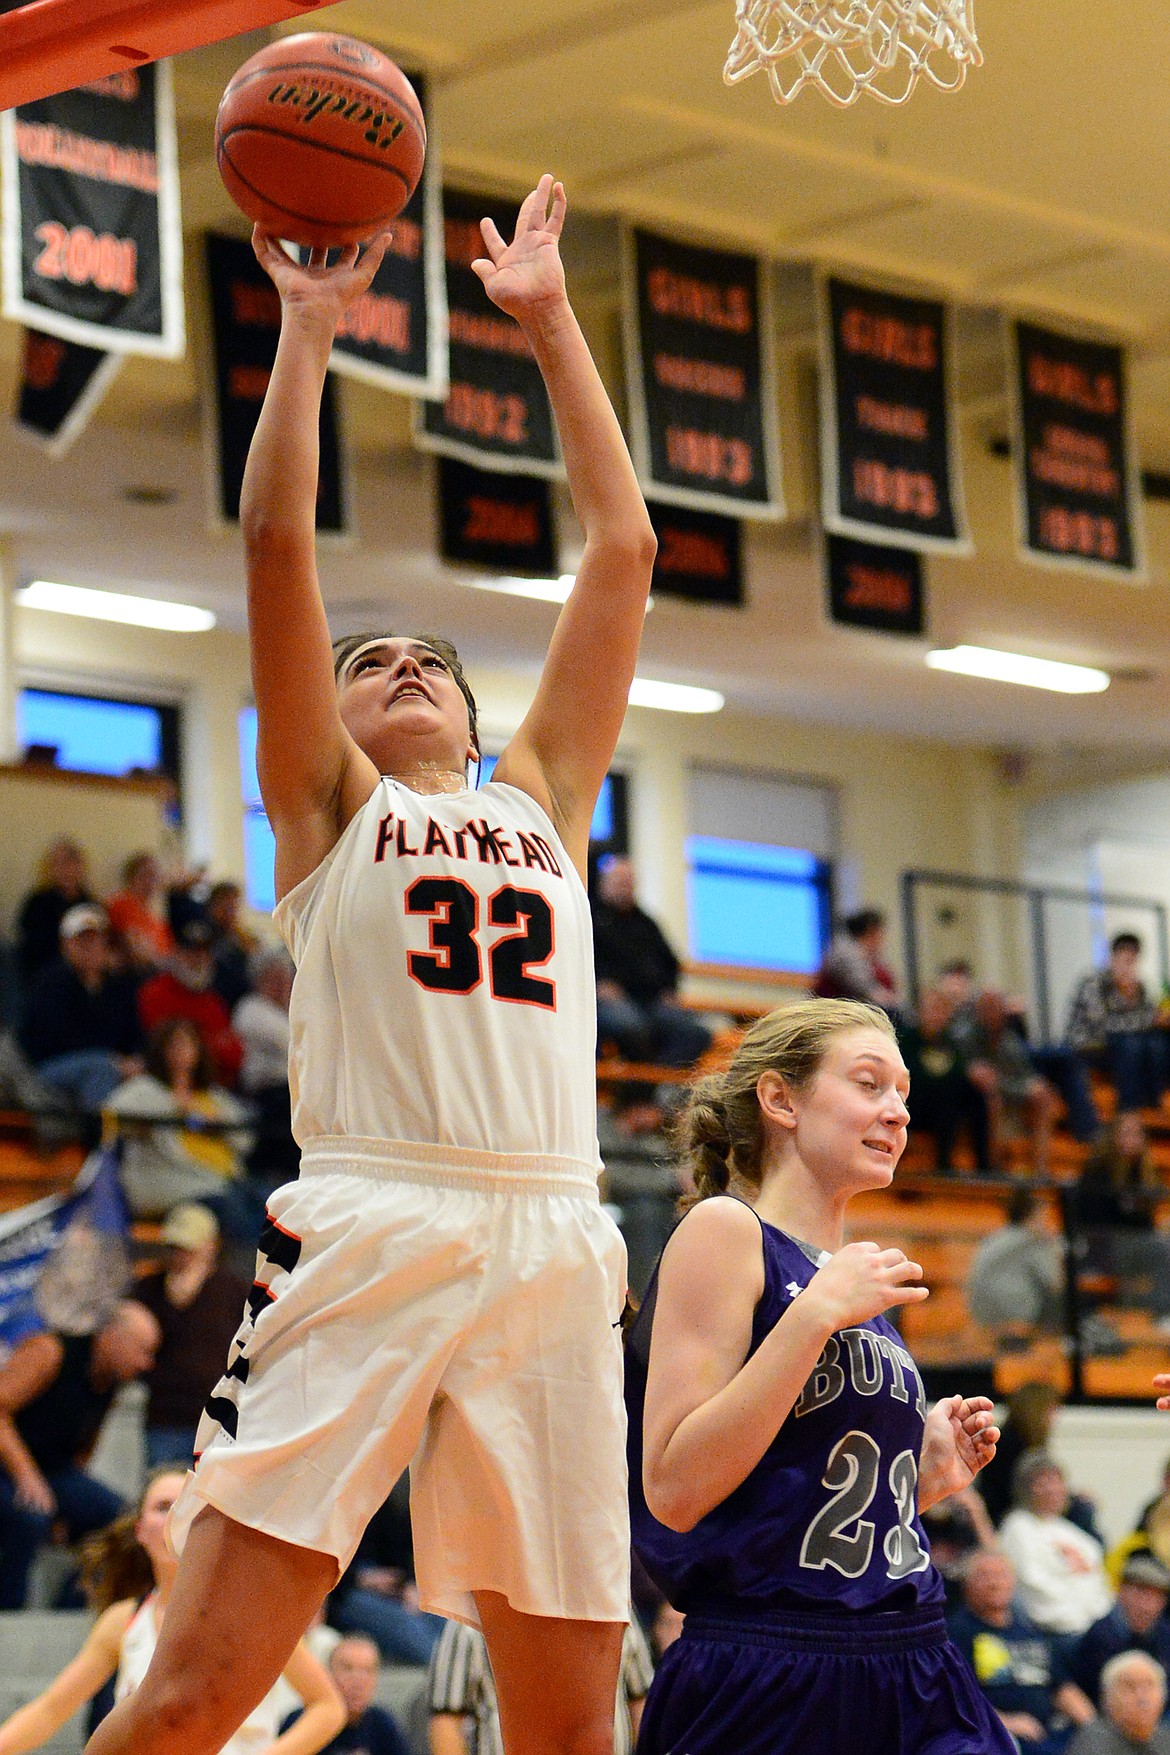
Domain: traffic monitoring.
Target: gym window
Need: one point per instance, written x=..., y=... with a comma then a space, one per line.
x=98, y=734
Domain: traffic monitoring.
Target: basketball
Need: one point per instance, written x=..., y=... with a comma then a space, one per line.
x=320, y=139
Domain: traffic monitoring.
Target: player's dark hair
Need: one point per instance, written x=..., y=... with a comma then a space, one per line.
x=114, y=1564
x=345, y=648
x=719, y=1133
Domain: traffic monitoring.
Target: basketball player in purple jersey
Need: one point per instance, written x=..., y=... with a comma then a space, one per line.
x=780, y=1448
x=441, y=1285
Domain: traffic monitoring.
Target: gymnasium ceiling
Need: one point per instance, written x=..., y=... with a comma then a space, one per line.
x=1044, y=188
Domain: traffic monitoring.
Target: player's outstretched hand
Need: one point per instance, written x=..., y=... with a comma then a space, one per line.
x=1162, y=1385
x=861, y=1281
x=959, y=1439
x=526, y=274
x=315, y=286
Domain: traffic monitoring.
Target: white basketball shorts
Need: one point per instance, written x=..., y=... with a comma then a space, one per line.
x=454, y=1310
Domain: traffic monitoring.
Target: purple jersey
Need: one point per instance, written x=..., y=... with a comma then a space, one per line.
x=829, y=1515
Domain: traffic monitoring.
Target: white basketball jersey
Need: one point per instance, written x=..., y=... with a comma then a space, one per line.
x=258, y=1731
x=444, y=991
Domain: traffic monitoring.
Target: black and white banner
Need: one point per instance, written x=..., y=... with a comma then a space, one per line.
x=496, y=414
x=245, y=321
x=396, y=334
x=699, y=555
x=61, y=383
x=92, y=240
x=1078, y=492
x=698, y=337
x=873, y=587
x=890, y=457
x=489, y=519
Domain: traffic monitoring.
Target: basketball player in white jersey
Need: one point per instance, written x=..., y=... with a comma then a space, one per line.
x=440, y=1284
x=134, y=1574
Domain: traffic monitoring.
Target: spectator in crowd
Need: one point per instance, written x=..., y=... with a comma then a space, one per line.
x=1116, y=1200
x=1113, y=1022
x=854, y=966
x=378, y=1596
x=464, y=1718
x=1027, y=1425
x=62, y=882
x=998, y=1064
x=198, y=1306
x=55, y=1391
x=136, y=915
x=184, y=990
x=637, y=976
x=260, y=1021
x=1015, y=1663
x=958, y=1527
x=1136, y=1622
x=231, y=944
x=1015, y=1287
x=1133, y=1696
x=196, y=1151
x=353, y=1667
x=943, y=1101
x=81, y=1028
x=1060, y=1569
x=1154, y=1523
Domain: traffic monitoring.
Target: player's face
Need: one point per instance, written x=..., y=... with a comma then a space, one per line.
x=151, y=1525
x=851, y=1119
x=401, y=704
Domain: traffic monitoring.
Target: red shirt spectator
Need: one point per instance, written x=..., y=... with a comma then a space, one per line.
x=142, y=932
x=183, y=990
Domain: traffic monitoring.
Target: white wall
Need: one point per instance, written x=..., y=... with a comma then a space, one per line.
x=1116, y=1455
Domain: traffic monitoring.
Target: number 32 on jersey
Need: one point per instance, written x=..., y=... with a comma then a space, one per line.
x=455, y=957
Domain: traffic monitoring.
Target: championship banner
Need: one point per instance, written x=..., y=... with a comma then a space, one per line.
x=396, y=334
x=61, y=383
x=497, y=413
x=92, y=241
x=698, y=339
x=503, y=522
x=245, y=322
x=64, y=1261
x=1078, y=496
x=888, y=445
x=876, y=588
x=698, y=555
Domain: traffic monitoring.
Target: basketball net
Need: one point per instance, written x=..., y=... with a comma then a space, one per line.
x=845, y=47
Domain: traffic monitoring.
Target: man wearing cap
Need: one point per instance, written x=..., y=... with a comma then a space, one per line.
x=184, y=990
x=1136, y=1622
x=81, y=1028
x=198, y=1305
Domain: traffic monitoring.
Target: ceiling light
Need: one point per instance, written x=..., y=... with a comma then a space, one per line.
x=116, y=606
x=673, y=697
x=547, y=590
x=1014, y=667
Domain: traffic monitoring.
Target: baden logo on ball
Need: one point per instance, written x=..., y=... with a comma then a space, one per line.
x=320, y=139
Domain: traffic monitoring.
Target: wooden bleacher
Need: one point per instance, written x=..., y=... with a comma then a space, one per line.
x=29, y=1171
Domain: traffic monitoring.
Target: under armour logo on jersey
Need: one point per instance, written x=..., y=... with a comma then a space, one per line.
x=792, y=1288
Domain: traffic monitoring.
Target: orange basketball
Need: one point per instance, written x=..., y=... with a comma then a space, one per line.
x=320, y=139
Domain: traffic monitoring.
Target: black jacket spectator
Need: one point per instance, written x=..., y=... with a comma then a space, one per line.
x=1136, y=1622
x=630, y=948
x=64, y=1016
x=637, y=974
x=64, y=884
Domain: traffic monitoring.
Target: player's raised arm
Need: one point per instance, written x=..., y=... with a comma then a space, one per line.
x=564, y=747
x=312, y=775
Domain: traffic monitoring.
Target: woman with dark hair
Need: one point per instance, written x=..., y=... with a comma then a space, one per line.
x=440, y=1286
x=128, y=1572
x=194, y=1151
x=780, y=1449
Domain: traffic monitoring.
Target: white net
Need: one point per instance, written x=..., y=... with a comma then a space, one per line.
x=846, y=47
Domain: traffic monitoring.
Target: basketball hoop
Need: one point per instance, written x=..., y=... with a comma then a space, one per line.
x=846, y=47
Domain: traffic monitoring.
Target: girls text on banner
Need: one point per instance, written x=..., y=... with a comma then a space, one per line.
x=92, y=242
x=875, y=587
x=396, y=334
x=890, y=459
x=1078, y=500
x=497, y=413
x=61, y=383
x=245, y=321
x=698, y=335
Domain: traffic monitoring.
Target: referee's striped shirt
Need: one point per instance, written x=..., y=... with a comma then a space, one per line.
x=461, y=1684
